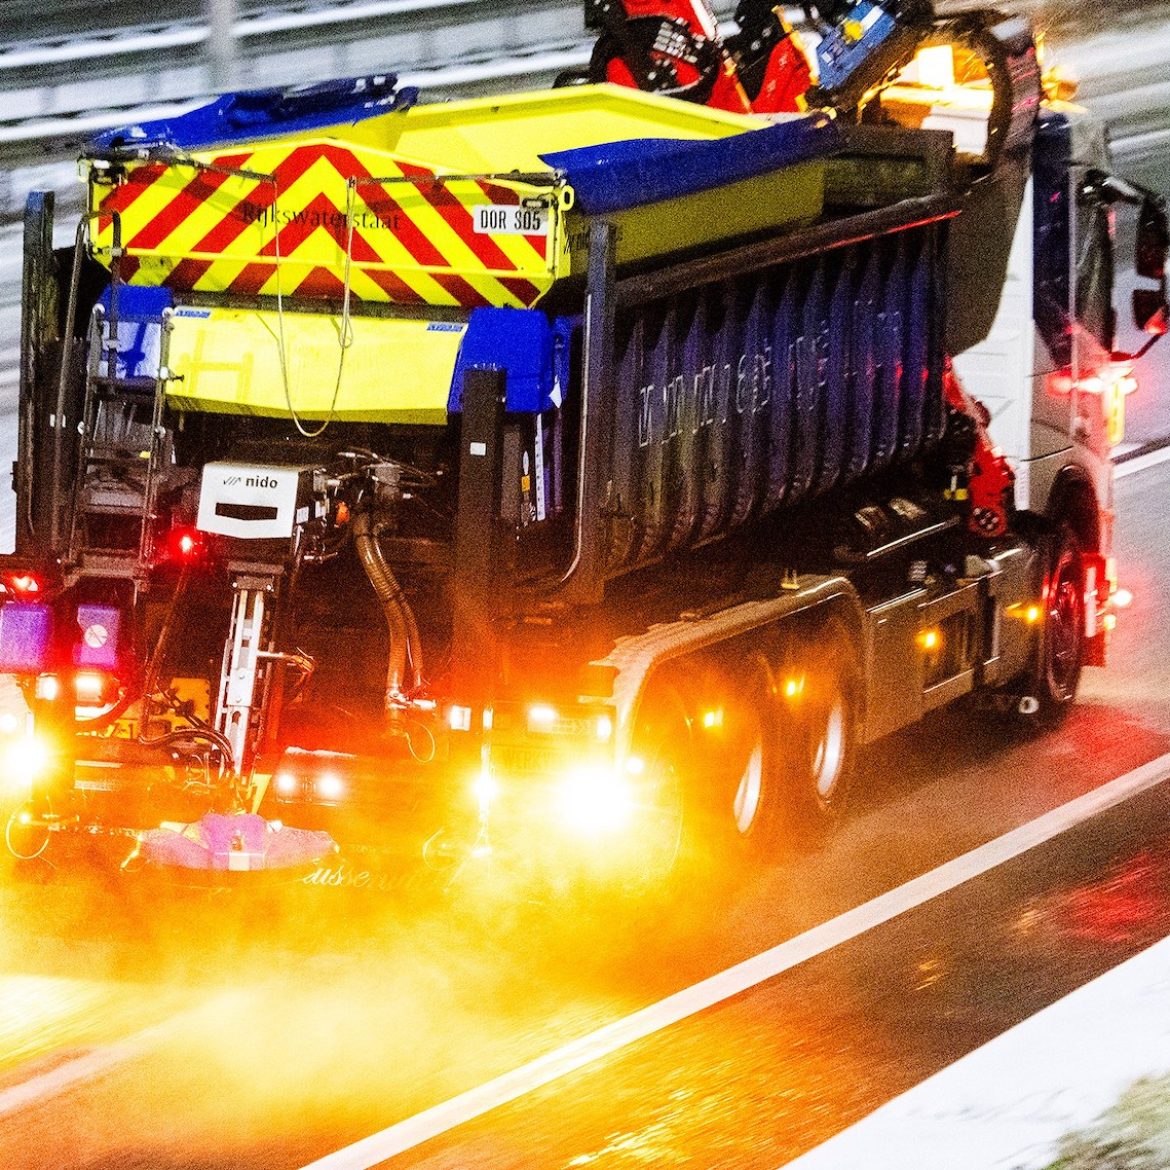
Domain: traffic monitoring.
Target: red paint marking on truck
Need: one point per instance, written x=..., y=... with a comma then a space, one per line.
x=187, y=201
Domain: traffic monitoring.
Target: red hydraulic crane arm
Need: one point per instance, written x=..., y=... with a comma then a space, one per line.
x=675, y=47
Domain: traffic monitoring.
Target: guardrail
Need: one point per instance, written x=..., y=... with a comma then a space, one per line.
x=169, y=63
x=1122, y=74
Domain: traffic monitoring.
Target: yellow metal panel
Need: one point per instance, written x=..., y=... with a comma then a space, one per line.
x=227, y=361
x=514, y=130
x=402, y=229
x=380, y=207
x=792, y=196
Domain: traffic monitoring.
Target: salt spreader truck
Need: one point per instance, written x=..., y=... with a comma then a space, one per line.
x=580, y=474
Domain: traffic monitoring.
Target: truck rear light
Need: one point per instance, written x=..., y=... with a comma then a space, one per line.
x=286, y=784
x=596, y=799
x=329, y=786
x=25, y=760
x=35, y=583
x=186, y=545
x=48, y=688
x=1122, y=599
x=1113, y=383
x=485, y=788
x=459, y=718
x=541, y=717
x=94, y=688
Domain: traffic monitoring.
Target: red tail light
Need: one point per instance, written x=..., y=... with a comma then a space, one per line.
x=24, y=585
x=186, y=545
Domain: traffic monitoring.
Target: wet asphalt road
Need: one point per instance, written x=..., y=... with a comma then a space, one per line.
x=146, y=1031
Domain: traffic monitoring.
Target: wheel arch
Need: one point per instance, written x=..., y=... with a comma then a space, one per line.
x=656, y=656
x=1073, y=501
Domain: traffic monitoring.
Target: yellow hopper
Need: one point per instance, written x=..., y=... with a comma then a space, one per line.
x=461, y=204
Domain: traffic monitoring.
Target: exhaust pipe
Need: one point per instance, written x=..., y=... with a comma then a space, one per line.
x=400, y=623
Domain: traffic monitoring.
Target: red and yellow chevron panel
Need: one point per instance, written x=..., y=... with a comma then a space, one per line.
x=305, y=217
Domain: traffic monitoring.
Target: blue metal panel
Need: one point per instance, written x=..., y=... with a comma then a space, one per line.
x=917, y=352
x=840, y=54
x=890, y=345
x=745, y=395
x=519, y=341
x=26, y=632
x=783, y=391
x=139, y=324
x=720, y=422
x=263, y=113
x=617, y=175
x=809, y=365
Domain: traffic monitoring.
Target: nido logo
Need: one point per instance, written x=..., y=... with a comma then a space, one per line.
x=260, y=481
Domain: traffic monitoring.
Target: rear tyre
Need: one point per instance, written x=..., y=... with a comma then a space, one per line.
x=818, y=695
x=753, y=800
x=659, y=766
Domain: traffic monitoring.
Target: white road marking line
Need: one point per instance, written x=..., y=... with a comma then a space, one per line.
x=1141, y=462
x=97, y=1061
x=611, y=1038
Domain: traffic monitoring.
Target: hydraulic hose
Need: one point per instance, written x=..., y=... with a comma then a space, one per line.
x=400, y=623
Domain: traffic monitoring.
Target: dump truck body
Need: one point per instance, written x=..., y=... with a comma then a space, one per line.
x=585, y=458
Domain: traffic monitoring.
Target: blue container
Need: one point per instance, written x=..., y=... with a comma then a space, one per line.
x=26, y=635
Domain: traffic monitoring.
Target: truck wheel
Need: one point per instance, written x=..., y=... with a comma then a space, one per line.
x=817, y=696
x=24, y=844
x=1062, y=637
x=754, y=789
x=663, y=749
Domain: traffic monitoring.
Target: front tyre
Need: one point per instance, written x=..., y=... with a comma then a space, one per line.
x=1061, y=652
